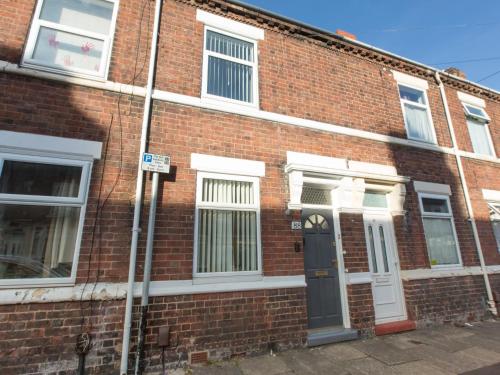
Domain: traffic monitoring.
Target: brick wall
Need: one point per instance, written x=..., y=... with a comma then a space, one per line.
x=362, y=312
x=443, y=300
x=41, y=338
x=354, y=242
x=226, y=324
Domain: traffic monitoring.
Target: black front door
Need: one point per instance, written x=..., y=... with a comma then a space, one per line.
x=320, y=259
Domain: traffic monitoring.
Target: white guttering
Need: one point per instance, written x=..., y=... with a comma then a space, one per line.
x=484, y=271
x=138, y=191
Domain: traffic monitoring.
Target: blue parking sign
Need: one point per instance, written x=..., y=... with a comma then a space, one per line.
x=147, y=158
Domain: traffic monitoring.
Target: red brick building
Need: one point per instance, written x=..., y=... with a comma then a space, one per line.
x=319, y=188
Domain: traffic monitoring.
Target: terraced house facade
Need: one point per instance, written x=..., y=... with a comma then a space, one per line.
x=319, y=190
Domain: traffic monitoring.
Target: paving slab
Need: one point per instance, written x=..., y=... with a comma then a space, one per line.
x=341, y=352
x=312, y=362
x=481, y=356
x=221, y=368
x=263, y=365
x=386, y=352
x=369, y=366
x=419, y=368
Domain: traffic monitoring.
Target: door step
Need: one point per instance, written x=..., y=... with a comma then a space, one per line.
x=322, y=336
x=395, y=327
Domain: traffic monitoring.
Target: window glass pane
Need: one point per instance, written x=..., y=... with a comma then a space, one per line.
x=37, y=241
x=375, y=199
x=227, y=241
x=479, y=137
x=226, y=191
x=418, y=123
x=496, y=231
x=384, y=249
x=68, y=51
x=18, y=177
x=440, y=241
x=229, y=79
x=435, y=205
x=89, y=15
x=312, y=195
x=476, y=111
x=372, y=249
x=229, y=46
x=410, y=94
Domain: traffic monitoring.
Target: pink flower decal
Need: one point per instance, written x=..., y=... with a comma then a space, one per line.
x=67, y=61
x=86, y=47
x=52, y=41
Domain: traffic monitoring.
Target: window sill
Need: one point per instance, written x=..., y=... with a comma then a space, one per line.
x=60, y=72
x=454, y=267
x=218, y=101
x=221, y=279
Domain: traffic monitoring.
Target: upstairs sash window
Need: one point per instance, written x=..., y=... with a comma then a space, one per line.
x=230, y=68
x=72, y=36
x=416, y=114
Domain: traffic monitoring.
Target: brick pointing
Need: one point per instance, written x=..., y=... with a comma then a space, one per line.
x=40, y=338
x=227, y=324
x=453, y=299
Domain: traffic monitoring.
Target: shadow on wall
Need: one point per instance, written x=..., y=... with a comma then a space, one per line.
x=436, y=300
x=44, y=339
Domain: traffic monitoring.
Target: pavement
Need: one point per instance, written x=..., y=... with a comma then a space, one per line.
x=443, y=350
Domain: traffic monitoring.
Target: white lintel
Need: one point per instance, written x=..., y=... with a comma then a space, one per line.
x=469, y=99
x=220, y=164
x=431, y=188
x=28, y=142
x=406, y=79
x=229, y=25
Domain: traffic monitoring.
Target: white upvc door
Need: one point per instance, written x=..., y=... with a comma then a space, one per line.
x=384, y=266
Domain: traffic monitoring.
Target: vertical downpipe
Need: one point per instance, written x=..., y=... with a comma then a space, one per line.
x=138, y=192
x=484, y=271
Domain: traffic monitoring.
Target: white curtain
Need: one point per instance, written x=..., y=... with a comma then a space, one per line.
x=227, y=238
x=440, y=241
x=418, y=123
x=63, y=225
x=479, y=137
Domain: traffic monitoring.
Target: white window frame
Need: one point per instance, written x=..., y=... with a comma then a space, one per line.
x=484, y=118
x=255, y=72
x=488, y=136
x=226, y=276
x=495, y=207
x=42, y=65
x=80, y=201
x=440, y=215
x=418, y=105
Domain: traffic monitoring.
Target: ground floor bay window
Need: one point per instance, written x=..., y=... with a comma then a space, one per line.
x=41, y=212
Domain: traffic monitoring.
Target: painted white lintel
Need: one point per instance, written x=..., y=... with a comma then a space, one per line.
x=219, y=164
x=20, y=142
x=491, y=195
x=406, y=79
x=431, y=188
x=469, y=99
x=229, y=25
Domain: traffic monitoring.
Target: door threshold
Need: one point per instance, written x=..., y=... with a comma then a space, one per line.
x=330, y=335
x=395, y=327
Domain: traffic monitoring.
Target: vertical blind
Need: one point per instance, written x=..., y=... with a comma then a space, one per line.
x=227, y=238
x=226, y=77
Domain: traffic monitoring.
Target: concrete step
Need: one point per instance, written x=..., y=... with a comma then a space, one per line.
x=395, y=327
x=327, y=335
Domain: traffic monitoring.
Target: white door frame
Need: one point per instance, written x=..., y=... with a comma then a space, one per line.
x=379, y=214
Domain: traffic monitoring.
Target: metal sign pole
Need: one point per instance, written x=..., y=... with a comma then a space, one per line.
x=147, y=274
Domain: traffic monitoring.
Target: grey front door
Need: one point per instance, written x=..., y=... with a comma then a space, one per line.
x=324, y=307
